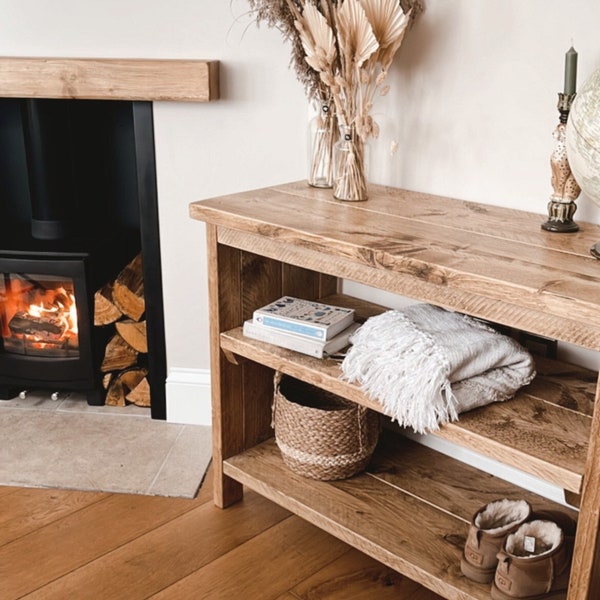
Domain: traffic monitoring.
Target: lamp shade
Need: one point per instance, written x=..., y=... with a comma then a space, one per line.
x=583, y=138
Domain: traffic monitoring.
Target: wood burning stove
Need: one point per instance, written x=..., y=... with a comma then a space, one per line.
x=47, y=338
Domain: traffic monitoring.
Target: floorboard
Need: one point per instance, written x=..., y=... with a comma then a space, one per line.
x=57, y=544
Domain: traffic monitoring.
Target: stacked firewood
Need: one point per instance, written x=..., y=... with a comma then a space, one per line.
x=121, y=303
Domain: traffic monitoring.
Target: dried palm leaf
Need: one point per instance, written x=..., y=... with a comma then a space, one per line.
x=387, y=20
x=317, y=39
x=387, y=55
x=356, y=38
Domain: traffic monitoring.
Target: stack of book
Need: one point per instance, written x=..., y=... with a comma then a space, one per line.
x=305, y=326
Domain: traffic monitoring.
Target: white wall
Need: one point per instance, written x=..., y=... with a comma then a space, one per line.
x=472, y=107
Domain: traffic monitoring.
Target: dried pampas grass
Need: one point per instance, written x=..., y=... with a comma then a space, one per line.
x=281, y=15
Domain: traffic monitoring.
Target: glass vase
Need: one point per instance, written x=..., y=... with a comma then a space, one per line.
x=322, y=135
x=350, y=166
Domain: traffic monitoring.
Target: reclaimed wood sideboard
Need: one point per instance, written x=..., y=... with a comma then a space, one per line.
x=411, y=509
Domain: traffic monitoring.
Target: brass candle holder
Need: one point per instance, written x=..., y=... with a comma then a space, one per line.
x=562, y=207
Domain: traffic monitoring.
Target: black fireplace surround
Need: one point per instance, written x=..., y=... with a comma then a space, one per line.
x=78, y=201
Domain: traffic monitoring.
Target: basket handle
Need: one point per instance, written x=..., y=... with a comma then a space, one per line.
x=361, y=422
x=276, y=381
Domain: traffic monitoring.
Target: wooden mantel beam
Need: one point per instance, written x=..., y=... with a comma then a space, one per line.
x=109, y=79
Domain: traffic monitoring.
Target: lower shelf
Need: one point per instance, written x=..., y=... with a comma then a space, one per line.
x=410, y=510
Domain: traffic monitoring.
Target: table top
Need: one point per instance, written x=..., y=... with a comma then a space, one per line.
x=493, y=262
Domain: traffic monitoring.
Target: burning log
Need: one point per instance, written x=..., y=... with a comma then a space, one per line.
x=42, y=321
x=45, y=328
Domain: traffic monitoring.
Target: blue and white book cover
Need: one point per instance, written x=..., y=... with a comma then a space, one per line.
x=304, y=317
x=300, y=343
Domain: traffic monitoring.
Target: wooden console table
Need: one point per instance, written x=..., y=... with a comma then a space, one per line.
x=411, y=509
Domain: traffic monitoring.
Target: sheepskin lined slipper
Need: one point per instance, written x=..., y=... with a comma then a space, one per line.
x=489, y=529
x=534, y=563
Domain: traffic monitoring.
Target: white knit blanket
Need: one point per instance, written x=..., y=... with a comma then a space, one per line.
x=426, y=365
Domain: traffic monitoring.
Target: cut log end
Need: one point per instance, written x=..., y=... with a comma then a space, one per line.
x=140, y=395
x=123, y=383
x=105, y=310
x=134, y=333
x=128, y=290
x=118, y=355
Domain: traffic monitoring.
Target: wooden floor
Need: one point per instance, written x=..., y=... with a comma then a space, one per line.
x=57, y=544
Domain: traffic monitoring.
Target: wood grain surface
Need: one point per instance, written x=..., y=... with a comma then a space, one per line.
x=109, y=79
x=411, y=509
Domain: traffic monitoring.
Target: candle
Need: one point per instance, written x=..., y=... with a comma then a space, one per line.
x=570, y=71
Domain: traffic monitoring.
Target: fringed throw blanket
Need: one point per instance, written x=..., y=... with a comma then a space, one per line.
x=426, y=365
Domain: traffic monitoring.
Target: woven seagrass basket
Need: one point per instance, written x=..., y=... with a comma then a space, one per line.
x=321, y=435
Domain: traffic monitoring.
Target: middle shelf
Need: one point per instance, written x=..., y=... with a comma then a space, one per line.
x=544, y=430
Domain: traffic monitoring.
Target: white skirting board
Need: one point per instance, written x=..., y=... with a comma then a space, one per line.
x=188, y=396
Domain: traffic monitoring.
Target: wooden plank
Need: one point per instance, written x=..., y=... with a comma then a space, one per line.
x=528, y=434
x=431, y=477
x=261, y=283
x=228, y=577
x=381, y=232
x=564, y=384
x=512, y=312
x=452, y=213
x=537, y=436
x=226, y=381
x=90, y=530
x=161, y=557
x=6, y=490
x=357, y=576
x=585, y=581
x=27, y=509
x=109, y=79
x=304, y=283
x=365, y=511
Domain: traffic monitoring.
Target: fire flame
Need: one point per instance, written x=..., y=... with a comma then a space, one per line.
x=39, y=319
x=65, y=311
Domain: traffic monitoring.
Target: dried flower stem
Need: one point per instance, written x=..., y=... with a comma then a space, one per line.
x=350, y=177
x=326, y=134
